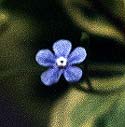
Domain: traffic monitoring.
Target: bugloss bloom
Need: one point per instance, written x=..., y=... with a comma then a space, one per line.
x=61, y=62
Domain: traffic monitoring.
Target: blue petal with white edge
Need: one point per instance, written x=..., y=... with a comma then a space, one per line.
x=51, y=76
x=73, y=74
x=78, y=55
x=45, y=58
x=62, y=48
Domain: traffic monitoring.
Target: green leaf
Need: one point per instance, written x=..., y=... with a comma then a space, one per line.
x=95, y=18
x=3, y=19
x=78, y=108
x=90, y=108
x=115, y=116
x=116, y=8
x=18, y=71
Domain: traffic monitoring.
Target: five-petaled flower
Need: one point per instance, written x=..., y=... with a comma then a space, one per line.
x=61, y=62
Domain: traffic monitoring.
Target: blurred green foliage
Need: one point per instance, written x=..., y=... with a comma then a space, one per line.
x=100, y=17
x=27, y=26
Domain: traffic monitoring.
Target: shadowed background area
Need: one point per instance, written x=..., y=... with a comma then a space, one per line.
x=28, y=26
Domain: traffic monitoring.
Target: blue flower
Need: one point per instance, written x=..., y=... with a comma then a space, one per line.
x=61, y=62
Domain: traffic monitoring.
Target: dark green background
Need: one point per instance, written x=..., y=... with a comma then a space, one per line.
x=26, y=27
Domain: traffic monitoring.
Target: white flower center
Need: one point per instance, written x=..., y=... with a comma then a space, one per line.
x=61, y=62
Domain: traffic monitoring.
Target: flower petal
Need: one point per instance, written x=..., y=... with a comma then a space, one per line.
x=45, y=58
x=51, y=76
x=62, y=48
x=78, y=55
x=73, y=74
